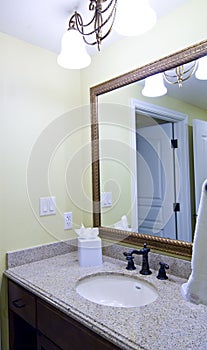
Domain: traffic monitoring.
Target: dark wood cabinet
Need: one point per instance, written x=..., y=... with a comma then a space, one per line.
x=36, y=325
x=45, y=344
x=22, y=319
x=22, y=336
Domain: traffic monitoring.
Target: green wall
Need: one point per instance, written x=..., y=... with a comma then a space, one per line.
x=40, y=132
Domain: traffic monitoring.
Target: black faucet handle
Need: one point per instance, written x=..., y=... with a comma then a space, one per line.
x=162, y=273
x=127, y=254
x=130, y=260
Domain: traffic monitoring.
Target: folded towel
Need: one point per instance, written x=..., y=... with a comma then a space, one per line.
x=88, y=232
x=122, y=224
x=195, y=290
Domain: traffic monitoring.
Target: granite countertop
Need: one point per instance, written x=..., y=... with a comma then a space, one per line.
x=168, y=323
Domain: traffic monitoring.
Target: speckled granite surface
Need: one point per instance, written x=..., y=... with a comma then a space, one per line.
x=45, y=251
x=168, y=323
x=178, y=267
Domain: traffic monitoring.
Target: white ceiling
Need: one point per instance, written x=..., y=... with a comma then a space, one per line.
x=42, y=23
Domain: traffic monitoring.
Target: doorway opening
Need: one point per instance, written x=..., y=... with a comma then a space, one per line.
x=160, y=189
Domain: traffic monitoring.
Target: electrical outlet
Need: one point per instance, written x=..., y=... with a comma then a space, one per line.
x=68, y=221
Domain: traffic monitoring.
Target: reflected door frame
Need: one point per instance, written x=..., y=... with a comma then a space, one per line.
x=182, y=153
x=156, y=178
x=200, y=161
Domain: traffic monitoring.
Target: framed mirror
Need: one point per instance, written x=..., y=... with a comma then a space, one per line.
x=122, y=187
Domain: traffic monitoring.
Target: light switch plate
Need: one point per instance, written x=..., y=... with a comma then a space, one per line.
x=47, y=206
x=106, y=199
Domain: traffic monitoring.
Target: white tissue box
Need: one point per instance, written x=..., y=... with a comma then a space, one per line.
x=89, y=251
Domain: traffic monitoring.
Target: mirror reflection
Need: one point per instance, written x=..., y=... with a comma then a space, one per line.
x=152, y=147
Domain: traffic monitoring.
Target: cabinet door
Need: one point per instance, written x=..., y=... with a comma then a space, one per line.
x=22, y=336
x=67, y=333
x=22, y=303
x=22, y=319
x=45, y=344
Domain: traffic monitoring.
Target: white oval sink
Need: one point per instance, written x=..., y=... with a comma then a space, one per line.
x=116, y=290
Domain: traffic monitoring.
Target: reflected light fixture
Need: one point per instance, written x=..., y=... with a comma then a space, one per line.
x=180, y=74
x=201, y=72
x=132, y=17
x=154, y=86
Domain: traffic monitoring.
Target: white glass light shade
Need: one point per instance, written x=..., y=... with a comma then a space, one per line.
x=134, y=17
x=201, y=72
x=154, y=86
x=73, y=53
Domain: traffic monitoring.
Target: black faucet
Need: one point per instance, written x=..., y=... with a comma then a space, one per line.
x=145, y=265
x=162, y=273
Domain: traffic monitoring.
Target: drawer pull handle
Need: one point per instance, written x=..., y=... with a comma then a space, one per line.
x=17, y=303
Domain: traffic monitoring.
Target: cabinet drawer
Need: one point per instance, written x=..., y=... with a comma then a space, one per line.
x=67, y=333
x=22, y=303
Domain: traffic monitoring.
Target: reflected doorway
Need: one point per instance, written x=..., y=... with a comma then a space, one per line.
x=161, y=190
x=200, y=160
x=155, y=171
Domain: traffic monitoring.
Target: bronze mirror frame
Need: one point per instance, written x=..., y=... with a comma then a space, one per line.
x=179, y=248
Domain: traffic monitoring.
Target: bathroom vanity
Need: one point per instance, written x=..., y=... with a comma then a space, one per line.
x=35, y=324
x=47, y=313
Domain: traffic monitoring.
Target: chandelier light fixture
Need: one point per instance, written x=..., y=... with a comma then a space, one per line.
x=134, y=17
x=128, y=17
x=201, y=72
x=154, y=85
x=180, y=74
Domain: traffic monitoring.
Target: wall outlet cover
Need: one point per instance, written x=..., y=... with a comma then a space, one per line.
x=68, y=221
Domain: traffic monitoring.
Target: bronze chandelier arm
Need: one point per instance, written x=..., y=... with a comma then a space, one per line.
x=76, y=21
x=180, y=75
